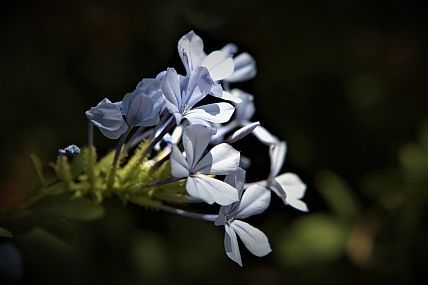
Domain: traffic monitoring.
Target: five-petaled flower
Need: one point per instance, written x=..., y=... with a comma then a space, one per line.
x=220, y=160
x=254, y=200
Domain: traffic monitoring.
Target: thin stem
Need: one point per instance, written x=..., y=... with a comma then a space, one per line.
x=149, y=148
x=164, y=159
x=205, y=217
x=89, y=165
x=130, y=142
x=159, y=124
x=164, y=181
x=116, y=157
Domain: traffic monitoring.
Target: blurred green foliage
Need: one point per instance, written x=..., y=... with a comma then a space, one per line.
x=344, y=82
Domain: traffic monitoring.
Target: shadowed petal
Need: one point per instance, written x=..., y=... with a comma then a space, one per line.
x=195, y=141
x=231, y=245
x=170, y=87
x=179, y=167
x=245, y=68
x=229, y=97
x=277, y=153
x=211, y=190
x=190, y=48
x=216, y=112
x=291, y=189
x=198, y=86
x=254, y=239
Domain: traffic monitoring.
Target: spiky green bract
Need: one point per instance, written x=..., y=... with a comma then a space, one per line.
x=87, y=176
x=62, y=170
x=172, y=193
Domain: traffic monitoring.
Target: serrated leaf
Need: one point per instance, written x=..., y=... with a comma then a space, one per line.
x=39, y=168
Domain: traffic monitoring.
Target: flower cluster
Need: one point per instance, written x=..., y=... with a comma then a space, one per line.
x=184, y=147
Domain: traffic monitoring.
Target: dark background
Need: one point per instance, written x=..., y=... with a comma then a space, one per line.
x=343, y=82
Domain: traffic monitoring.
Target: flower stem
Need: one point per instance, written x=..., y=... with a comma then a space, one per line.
x=164, y=181
x=116, y=157
x=89, y=164
x=149, y=148
x=205, y=217
x=132, y=141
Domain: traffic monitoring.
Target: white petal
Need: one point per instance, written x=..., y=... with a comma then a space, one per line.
x=170, y=87
x=264, y=136
x=231, y=245
x=216, y=112
x=294, y=190
x=255, y=200
x=276, y=187
x=195, y=141
x=292, y=185
x=211, y=190
x=220, y=160
x=190, y=48
x=244, y=110
x=245, y=68
x=236, y=179
x=229, y=97
x=254, y=239
x=220, y=64
x=230, y=48
x=277, y=153
x=198, y=86
x=179, y=167
x=297, y=204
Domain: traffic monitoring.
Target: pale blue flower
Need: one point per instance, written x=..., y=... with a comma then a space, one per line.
x=244, y=68
x=220, y=160
x=141, y=107
x=288, y=186
x=191, y=50
x=183, y=92
x=107, y=116
x=254, y=200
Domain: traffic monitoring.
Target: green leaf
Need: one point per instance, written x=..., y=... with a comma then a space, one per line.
x=39, y=168
x=81, y=209
x=337, y=193
x=312, y=239
x=5, y=233
x=60, y=227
